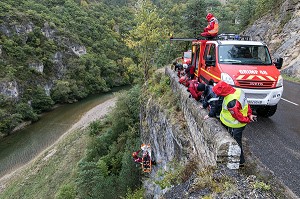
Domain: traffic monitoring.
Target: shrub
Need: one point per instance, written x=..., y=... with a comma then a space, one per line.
x=67, y=191
x=26, y=111
x=41, y=102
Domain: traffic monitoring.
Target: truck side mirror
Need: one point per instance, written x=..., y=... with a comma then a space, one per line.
x=278, y=63
x=209, y=61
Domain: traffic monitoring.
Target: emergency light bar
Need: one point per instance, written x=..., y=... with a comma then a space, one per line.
x=233, y=36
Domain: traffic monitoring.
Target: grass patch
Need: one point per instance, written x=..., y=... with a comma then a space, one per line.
x=159, y=87
x=262, y=186
x=289, y=78
x=137, y=194
x=176, y=174
x=208, y=179
x=51, y=174
x=169, y=177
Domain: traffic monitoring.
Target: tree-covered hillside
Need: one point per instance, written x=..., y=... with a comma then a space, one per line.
x=60, y=51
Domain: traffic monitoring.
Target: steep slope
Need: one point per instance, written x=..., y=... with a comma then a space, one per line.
x=281, y=31
x=195, y=157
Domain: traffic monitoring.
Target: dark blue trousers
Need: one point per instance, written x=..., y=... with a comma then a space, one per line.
x=237, y=134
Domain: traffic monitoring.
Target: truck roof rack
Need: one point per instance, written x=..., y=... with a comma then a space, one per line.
x=233, y=36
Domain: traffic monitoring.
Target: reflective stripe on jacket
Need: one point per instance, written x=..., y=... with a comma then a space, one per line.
x=226, y=116
x=216, y=25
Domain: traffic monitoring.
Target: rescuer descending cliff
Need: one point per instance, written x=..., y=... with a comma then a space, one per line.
x=146, y=159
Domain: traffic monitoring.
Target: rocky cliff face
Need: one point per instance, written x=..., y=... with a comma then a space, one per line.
x=281, y=32
x=194, y=156
x=22, y=29
x=180, y=138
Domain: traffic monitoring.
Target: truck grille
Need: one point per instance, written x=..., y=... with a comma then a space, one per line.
x=255, y=95
x=256, y=84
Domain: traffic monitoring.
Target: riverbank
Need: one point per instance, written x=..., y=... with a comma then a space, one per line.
x=72, y=142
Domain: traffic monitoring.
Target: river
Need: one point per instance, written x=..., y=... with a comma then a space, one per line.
x=22, y=146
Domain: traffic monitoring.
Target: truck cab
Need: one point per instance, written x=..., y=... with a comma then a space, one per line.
x=243, y=64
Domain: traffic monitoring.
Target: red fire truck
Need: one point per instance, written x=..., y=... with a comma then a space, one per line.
x=243, y=64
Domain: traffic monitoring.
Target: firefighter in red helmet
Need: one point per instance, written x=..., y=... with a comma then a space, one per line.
x=211, y=30
x=136, y=158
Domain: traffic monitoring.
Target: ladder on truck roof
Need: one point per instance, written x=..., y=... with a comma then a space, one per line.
x=183, y=39
x=223, y=36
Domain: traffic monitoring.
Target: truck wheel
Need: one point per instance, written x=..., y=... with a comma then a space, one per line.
x=266, y=111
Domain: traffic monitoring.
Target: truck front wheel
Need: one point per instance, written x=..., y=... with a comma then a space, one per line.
x=266, y=111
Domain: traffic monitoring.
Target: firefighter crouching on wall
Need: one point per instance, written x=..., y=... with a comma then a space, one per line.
x=236, y=112
x=179, y=68
x=212, y=28
x=192, y=88
x=211, y=100
x=190, y=70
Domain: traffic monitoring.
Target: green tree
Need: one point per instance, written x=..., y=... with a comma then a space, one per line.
x=8, y=121
x=26, y=111
x=61, y=91
x=147, y=35
x=40, y=101
x=196, y=12
x=108, y=171
x=246, y=13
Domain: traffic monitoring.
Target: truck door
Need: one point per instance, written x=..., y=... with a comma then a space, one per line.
x=195, y=59
x=209, y=71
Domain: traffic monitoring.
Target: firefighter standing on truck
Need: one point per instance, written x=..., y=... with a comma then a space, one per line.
x=212, y=28
x=235, y=113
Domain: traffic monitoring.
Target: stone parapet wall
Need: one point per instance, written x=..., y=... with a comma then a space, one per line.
x=210, y=139
x=186, y=137
x=207, y=140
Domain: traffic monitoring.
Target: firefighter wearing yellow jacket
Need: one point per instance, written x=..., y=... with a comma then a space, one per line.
x=236, y=112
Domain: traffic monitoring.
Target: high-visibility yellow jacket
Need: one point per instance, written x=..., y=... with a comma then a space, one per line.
x=226, y=116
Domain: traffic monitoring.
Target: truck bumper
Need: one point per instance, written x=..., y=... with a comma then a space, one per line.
x=259, y=97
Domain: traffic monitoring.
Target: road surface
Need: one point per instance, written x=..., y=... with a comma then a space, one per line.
x=275, y=141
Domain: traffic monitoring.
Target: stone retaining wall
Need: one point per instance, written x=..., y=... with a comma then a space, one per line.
x=212, y=142
x=207, y=140
x=183, y=138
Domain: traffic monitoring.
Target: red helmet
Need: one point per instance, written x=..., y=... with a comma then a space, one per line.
x=134, y=154
x=209, y=16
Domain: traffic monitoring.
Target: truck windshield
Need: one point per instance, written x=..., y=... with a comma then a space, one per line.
x=187, y=55
x=244, y=55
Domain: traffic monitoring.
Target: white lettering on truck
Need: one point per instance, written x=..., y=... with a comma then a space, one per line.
x=263, y=72
x=250, y=72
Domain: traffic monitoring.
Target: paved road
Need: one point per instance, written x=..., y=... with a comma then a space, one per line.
x=276, y=140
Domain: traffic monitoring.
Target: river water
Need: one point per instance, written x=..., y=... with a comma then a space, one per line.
x=22, y=146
